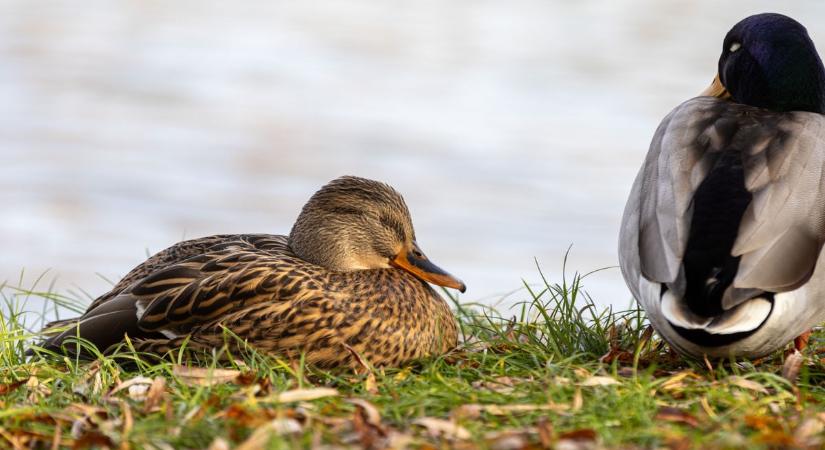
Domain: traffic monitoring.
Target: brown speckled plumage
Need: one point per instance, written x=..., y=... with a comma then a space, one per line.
x=257, y=288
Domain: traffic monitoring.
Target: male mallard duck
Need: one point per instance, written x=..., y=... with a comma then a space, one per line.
x=721, y=240
x=350, y=273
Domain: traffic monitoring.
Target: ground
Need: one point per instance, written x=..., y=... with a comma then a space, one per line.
x=558, y=374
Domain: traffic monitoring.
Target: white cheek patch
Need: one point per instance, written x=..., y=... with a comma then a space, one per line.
x=735, y=46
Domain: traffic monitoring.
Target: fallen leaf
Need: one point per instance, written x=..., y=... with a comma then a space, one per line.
x=808, y=433
x=679, y=443
x=500, y=384
x=37, y=390
x=370, y=412
x=790, y=370
x=508, y=439
x=6, y=388
x=137, y=392
x=57, y=439
x=155, y=394
x=670, y=414
x=90, y=383
x=583, y=439
x=759, y=422
x=199, y=376
x=545, y=430
x=93, y=439
x=675, y=381
x=747, y=384
x=443, y=428
x=219, y=443
x=143, y=382
x=616, y=354
x=370, y=385
x=599, y=381
x=300, y=395
x=581, y=373
x=474, y=410
x=128, y=420
x=367, y=424
x=261, y=436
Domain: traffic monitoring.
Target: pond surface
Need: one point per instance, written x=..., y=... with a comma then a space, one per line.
x=514, y=129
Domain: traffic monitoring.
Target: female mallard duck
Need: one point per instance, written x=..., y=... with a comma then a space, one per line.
x=722, y=236
x=350, y=274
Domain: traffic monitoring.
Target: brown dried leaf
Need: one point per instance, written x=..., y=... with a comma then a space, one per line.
x=508, y=439
x=128, y=420
x=581, y=372
x=300, y=395
x=57, y=438
x=6, y=388
x=93, y=439
x=546, y=432
x=262, y=435
x=91, y=382
x=808, y=434
x=37, y=389
x=790, y=370
x=616, y=354
x=474, y=410
x=671, y=414
x=370, y=385
x=759, y=422
x=367, y=424
x=675, y=381
x=199, y=376
x=443, y=428
x=747, y=384
x=156, y=393
x=368, y=410
x=500, y=384
x=583, y=439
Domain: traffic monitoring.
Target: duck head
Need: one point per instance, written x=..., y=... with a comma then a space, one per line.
x=358, y=224
x=769, y=61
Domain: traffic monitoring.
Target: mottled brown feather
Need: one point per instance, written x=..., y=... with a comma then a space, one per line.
x=255, y=287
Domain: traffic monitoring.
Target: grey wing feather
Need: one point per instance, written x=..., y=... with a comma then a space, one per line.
x=782, y=230
x=675, y=165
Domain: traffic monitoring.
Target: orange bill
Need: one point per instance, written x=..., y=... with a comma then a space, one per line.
x=414, y=261
x=716, y=89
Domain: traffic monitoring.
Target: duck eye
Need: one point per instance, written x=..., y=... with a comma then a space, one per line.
x=735, y=46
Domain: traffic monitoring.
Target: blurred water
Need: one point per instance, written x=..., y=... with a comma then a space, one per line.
x=514, y=129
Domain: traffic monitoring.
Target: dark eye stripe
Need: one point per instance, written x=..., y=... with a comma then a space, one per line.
x=393, y=225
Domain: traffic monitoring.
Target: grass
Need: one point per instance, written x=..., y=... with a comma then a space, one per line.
x=559, y=373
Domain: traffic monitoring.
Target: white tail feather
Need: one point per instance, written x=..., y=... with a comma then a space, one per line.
x=746, y=316
x=677, y=313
